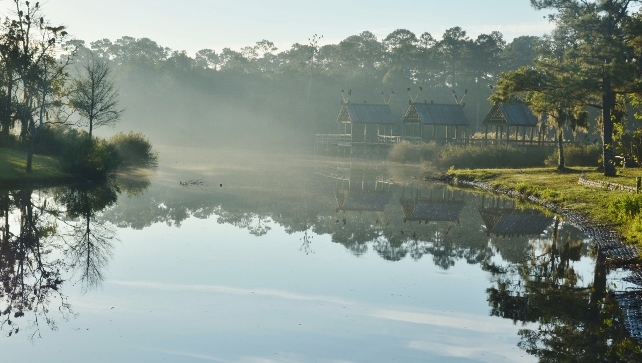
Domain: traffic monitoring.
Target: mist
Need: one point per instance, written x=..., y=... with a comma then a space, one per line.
x=261, y=98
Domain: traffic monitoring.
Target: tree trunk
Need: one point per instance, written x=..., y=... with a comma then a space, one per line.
x=608, y=155
x=32, y=145
x=561, y=165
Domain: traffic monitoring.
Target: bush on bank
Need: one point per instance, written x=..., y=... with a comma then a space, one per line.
x=94, y=158
x=135, y=150
x=90, y=158
x=467, y=157
x=588, y=155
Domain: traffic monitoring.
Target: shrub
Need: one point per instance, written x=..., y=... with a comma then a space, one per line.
x=429, y=151
x=491, y=157
x=53, y=139
x=625, y=208
x=134, y=150
x=91, y=158
x=7, y=140
x=577, y=156
x=405, y=152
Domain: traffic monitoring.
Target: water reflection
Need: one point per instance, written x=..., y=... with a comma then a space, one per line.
x=89, y=241
x=31, y=267
x=577, y=320
x=533, y=269
x=50, y=238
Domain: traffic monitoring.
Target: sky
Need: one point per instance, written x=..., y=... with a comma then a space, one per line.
x=192, y=25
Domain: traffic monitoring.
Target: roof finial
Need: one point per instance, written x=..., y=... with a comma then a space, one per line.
x=414, y=98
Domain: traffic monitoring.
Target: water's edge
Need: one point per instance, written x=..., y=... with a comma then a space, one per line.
x=609, y=245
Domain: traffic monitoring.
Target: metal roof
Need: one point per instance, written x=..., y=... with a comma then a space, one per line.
x=366, y=113
x=511, y=114
x=436, y=114
x=514, y=222
x=362, y=200
x=425, y=209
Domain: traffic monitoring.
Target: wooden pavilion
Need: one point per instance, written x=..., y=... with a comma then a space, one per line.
x=514, y=222
x=502, y=218
x=439, y=119
x=354, y=195
x=368, y=123
x=432, y=207
x=511, y=116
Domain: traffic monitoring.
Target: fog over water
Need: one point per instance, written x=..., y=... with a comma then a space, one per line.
x=277, y=257
x=250, y=243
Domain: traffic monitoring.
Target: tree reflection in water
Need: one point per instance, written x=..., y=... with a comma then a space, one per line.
x=47, y=236
x=575, y=321
x=31, y=266
x=89, y=242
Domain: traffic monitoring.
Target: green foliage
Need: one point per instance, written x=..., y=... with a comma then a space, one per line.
x=53, y=139
x=471, y=174
x=7, y=140
x=406, y=152
x=626, y=208
x=429, y=151
x=628, y=144
x=526, y=189
x=577, y=156
x=469, y=157
x=490, y=157
x=90, y=158
x=135, y=150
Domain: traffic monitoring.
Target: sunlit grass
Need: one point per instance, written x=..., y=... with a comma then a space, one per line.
x=562, y=188
x=46, y=170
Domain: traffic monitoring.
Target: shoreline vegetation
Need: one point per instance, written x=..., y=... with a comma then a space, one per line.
x=47, y=170
x=606, y=210
x=70, y=157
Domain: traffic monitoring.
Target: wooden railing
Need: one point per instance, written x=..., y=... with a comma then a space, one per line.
x=333, y=138
x=389, y=139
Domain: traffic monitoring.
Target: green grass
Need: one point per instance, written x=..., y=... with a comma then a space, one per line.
x=46, y=170
x=562, y=189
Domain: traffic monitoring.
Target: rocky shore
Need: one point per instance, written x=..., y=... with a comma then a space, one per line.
x=609, y=245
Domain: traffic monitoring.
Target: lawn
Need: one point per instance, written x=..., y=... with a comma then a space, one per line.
x=46, y=169
x=562, y=188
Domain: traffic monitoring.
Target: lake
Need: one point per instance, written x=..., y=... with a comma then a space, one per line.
x=252, y=257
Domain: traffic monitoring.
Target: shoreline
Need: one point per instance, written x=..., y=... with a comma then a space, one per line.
x=609, y=244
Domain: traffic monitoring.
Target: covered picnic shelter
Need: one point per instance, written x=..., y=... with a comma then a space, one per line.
x=367, y=122
x=431, y=121
x=511, y=119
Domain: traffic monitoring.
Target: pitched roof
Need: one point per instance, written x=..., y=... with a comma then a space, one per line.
x=362, y=200
x=366, y=113
x=508, y=221
x=425, y=209
x=511, y=114
x=436, y=114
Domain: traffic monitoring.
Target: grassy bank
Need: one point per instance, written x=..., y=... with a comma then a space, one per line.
x=46, y=170
x=617, y=208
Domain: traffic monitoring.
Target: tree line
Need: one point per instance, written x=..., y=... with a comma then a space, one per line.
x=584, y=75
x=39, y=91
x=591, y=61
x=298, y=89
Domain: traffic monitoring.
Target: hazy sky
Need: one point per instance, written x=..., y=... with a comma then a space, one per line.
x=196, y=24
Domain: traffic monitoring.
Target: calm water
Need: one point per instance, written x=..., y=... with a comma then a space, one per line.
x=274, y=258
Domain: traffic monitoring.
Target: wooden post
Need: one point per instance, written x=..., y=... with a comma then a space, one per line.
x=531, y=136
x=485, y=134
